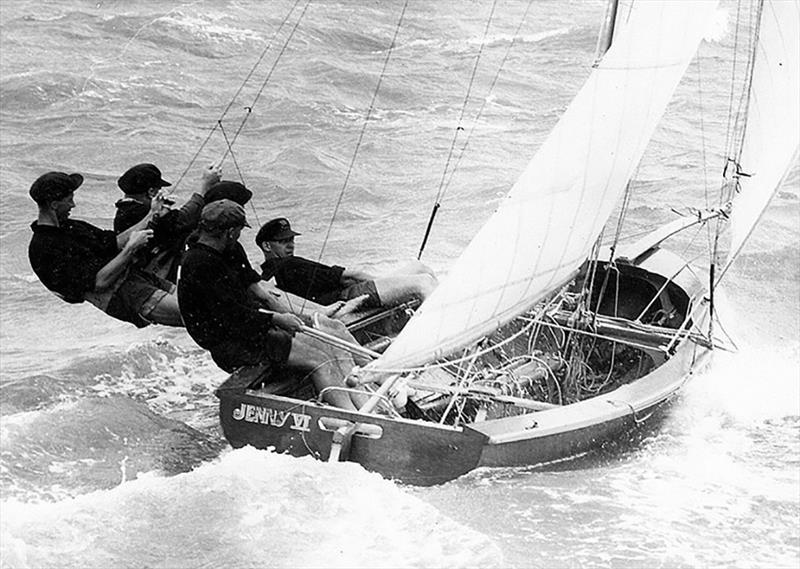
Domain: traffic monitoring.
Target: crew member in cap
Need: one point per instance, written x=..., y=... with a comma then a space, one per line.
x=140, y=184
x=325, y=284
x=222, y=301
x=81, y=262
x=171, y=227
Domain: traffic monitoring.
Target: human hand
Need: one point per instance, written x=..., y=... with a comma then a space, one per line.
x=210, y=176
x=159, y=203
x=287, y=321
x=332, y=309
x=138, y=239
x=341, y=307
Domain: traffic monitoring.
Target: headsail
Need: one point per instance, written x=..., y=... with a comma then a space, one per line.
x=772, y=133
x=546, y=226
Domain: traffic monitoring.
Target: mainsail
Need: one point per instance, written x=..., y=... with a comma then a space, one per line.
x=772, y=131
x=545, y=227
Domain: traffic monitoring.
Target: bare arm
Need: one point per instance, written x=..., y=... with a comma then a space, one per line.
x=108, y=275
x=281, y=301
x=209, y=177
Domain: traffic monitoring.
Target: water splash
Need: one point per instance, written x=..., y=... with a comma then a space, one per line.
x=248, y=509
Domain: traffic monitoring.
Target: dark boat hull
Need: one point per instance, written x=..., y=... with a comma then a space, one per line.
x=412, y=451
x=425, y=453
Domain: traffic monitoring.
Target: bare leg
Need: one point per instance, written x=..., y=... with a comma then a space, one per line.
x=165, y=312
x=328, y=368
x=398, y=395
x=342, y=308
x=338, y=329
x=412, y=268
x=394, y=290
x=281, y=301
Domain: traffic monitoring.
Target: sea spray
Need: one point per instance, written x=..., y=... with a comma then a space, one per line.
x=249, y=508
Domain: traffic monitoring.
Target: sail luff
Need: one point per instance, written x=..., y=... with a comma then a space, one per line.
x=771, y=138
x=545, y=227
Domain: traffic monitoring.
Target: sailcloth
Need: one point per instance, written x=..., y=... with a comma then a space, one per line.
x=772, y=133
x=545, y=227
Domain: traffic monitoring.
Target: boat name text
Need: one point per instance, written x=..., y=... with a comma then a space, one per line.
x=272, y=417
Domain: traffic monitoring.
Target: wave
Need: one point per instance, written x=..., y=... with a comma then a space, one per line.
x=201, y=34
x=248, y=508
x=38, y=89
x=94, y=443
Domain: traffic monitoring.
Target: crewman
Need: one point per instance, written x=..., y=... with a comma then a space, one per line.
x=140, y=184
x=325, y=284
x=81, y=262
x=222, y=301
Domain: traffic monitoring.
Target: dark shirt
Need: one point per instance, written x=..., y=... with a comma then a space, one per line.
x=305, y=278
x=129, y=213
x=170, y=231
x=213, y=298
x=67, y=258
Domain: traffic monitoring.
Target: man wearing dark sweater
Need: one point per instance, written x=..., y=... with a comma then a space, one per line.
x=81, y=262
x=171, y=227
x=222, y=302
x=326, y=284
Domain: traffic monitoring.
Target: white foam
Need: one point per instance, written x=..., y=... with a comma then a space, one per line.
x=248, y=508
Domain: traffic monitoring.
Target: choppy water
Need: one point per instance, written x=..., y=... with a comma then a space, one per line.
x=111, y=454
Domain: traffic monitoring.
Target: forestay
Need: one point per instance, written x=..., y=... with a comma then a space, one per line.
x=546, y=226
x=772, y=133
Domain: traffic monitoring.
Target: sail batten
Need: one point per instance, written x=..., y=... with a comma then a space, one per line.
x=546, y=226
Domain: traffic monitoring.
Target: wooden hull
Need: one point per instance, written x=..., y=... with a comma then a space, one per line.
x=425, y=453
x=412, y=451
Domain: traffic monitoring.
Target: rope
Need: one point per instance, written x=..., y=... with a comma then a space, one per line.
x=268, y=77
x=361, y=136
x=442, y=364
x=228, y=107
x=488, y=94
x=239, y=170
x=441, y=189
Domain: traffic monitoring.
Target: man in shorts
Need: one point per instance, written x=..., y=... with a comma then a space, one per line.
x=81, y=262
x=229, y=312
x=171, y=227
x=325, y=284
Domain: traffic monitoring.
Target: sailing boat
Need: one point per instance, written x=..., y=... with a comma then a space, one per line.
x=561, y=345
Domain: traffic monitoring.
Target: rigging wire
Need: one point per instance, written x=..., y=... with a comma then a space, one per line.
x=736, y=132
x=267, y=78
x=440, y=190
x=249, y=109
x=236, y=165
x=218, y=123
x=486, y=98
x=361, y=134
x=747, y=92
x=703, y=158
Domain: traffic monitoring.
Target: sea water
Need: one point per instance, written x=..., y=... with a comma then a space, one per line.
x=110, y=450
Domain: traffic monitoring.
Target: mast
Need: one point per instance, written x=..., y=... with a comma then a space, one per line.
x=606, y=35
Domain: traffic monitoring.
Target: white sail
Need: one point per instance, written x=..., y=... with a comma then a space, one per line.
x=545, y=227
x=772, y=134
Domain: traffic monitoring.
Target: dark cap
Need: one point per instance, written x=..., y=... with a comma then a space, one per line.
x=222, y=214
x=228, y=190
x=140, y=178
x=54, y=186
x=275, y=230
